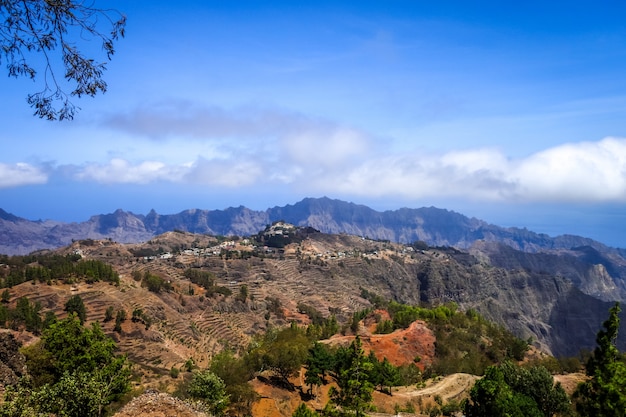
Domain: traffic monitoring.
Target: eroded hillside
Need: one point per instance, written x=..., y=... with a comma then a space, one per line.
x=256, y=286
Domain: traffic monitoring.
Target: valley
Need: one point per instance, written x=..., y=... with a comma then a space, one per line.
x=289, y=274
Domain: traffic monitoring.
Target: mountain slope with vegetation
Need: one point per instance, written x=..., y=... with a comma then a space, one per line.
x=182, y=303
x=239, y=287
x=593, y=268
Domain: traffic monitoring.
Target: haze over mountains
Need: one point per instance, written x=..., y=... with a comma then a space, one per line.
x=437, y=227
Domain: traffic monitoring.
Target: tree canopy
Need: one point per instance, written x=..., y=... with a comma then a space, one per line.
x=40, y=37
x=76, y=305
x=511, y=390
x=604, y=394
x=74, y=372
x=354, y=386
x=210, y=389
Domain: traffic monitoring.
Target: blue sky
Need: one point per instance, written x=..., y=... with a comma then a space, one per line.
x=514, y=114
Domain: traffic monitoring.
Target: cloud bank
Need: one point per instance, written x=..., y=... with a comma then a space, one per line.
x=576, y=172
x=16, y=175
x=273, y=148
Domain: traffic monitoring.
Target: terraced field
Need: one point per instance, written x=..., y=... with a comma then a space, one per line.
x=186, y=322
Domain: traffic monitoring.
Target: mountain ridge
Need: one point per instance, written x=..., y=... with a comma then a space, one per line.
x=435, y=226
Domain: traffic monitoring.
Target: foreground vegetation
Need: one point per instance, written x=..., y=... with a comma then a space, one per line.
x=73, y=357
x=72, y=372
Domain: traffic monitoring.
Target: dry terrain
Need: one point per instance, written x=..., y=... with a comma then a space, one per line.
x=326, y=272
x=186, y=322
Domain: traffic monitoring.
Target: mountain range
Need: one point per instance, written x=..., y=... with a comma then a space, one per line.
x=595, y=268
x=555, y=289
x=435, y=226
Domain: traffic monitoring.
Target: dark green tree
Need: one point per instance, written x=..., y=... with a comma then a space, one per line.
x=318, y=363
x=604, y=394
x=387, y=375
x=354, y=389
x=26, y=314
x=510, y=390
x=49, y=319
x=76, y=305
x=108, y=314
x=330, y=327
x=54, y=30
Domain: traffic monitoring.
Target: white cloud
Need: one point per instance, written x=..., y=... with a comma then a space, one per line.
x=340, y=161
x=417, y=176
x=121, y=171
x=583, y=172
x=258, y=147
x=20, y=174
x=216, y=172
x=224, y=173
x=579, y=172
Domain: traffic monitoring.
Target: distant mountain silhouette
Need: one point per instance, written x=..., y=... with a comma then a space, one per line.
x=529, y=281
x=437, y=227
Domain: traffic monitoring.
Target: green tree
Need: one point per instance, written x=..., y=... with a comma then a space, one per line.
x=387, y=375
x=75, y=348
x=510, y=390
x=40, y=27
x=26, y=314
x=75, y=373
x=384, y=327
x=108, y=314
x=491, y=396
x=354, y=389
x=120, y=317
x=235, y=372
x=303, y=411
x=318, y=363
x=155, y=283
x=329, y=327
x=537, y=383
x=49, y=319
x=283, y=351
x=76, y=305
x=604, y=394
x=210, y=389
x=243, y=293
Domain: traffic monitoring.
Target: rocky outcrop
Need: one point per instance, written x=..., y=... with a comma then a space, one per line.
x=12, y=362
x=157, y=404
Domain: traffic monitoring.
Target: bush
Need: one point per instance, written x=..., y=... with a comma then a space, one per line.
x=155, y=283
x=209, y=388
